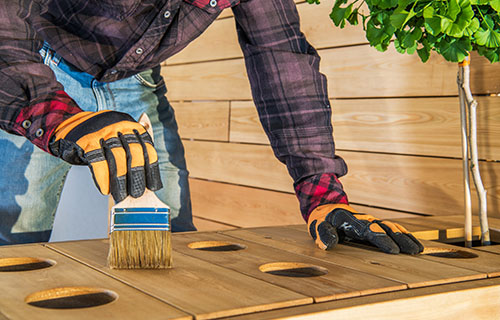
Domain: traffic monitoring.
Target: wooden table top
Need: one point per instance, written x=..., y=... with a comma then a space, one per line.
x=251, y=280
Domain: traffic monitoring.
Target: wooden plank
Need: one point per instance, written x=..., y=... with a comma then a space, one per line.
x=411, y=270
x=237, y=163
x=416, y=184
x=387, y=74
x=339, y=282
x=485, y=262
x=203, y=120
x=16, y=286
x=492, y=248
x=202, y=224
x=448, y=227
x=465, y=300
x=252, y=207
x=243, y=206
x=417, y=126
x=204, y=289
x=220, y=41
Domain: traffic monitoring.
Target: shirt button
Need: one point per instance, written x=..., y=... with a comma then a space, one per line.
x=39, y=133
x=167, y=14
x=213, y=3
x=26, y=124
x=139, y=51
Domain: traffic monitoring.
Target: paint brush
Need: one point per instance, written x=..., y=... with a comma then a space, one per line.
x=140, y=233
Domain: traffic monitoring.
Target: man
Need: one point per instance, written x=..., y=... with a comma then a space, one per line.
x=76, y=76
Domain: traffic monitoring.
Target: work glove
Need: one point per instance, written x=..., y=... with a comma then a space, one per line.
x=333, y=223
x=118, y=150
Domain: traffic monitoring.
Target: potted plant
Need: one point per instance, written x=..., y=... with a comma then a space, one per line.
x=453, y=29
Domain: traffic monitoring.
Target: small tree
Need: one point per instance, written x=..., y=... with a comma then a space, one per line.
x=452, y=28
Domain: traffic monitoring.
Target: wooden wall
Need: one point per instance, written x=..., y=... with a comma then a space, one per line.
x=396, y=123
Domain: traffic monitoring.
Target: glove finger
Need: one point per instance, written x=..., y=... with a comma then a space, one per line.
x=136, y=180
x=117, y=164
x=151, y=165
x=405, y=241
x=100, y=174
x=324, y=234
x=381, y=240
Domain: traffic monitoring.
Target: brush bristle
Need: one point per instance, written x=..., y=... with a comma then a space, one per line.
x=139, y=249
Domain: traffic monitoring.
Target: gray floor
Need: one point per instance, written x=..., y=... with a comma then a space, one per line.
x=83, y=210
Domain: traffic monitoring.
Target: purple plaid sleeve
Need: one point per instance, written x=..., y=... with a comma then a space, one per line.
x=291, y=98
x=318, y=190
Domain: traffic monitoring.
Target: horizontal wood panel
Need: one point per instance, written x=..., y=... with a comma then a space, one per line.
x=243, y=206
x=357, y=71
x=420, y=126
x=203, y=120
x=315, y=24
x=251, y=207
x=464, y=300
x=208, y=225
x=408, y=183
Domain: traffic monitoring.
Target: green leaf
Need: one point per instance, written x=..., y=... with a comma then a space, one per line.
x=495, y=4
x=453, y=9
x=491, y=54
x=433, y=25
x=488, y=38
x=456, y=28
x=398, y=18
x=471, y=28
x=454, y=50
x=339, y=15
x=386, y=4
x=424, y=54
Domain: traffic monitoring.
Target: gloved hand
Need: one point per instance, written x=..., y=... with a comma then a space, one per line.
x=118, y=150
x=332, y=223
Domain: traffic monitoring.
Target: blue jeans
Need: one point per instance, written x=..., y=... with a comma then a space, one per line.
x=31, y=180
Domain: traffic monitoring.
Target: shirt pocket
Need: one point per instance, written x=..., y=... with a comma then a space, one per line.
x=213, y=6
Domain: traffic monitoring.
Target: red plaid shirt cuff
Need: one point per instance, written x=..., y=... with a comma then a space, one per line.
x=38, y=121
x=318, y=190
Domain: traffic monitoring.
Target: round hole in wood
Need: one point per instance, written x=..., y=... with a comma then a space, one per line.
x=71, y=298
x=449, y=253
x=293, y=269
x=24, y=264
x=216, y=246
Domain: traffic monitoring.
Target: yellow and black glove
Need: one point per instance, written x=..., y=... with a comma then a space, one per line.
x=118, y=150
x=333, y=223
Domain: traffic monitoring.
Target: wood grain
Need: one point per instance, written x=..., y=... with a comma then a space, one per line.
x=66, y=272
x=316, y=25
x=417, y=126
x=408, y=183
x=411, y=270
x=353, y=72
x=488, y=263
x=202, y=224
x=339, y=283
x=203, y=120
x=465, y=300
x=243, y=206
x=219, y=291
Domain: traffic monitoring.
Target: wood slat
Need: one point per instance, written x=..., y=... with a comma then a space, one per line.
x=202, y=224
x=353, y=72
x=410, y=183
x=411, y=270
x=465, y=300
x=485, y=262
x=16, y=286
x=315, y=24
x=252, y=207
x=338, y=283
x=417, y=126
x=243, y=206
x=201, y=288
x=448, y=226
x=203, y=120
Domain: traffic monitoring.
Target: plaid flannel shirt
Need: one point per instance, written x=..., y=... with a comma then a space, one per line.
x=113, y=40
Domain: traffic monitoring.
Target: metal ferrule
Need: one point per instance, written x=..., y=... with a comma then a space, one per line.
x=136, y=219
